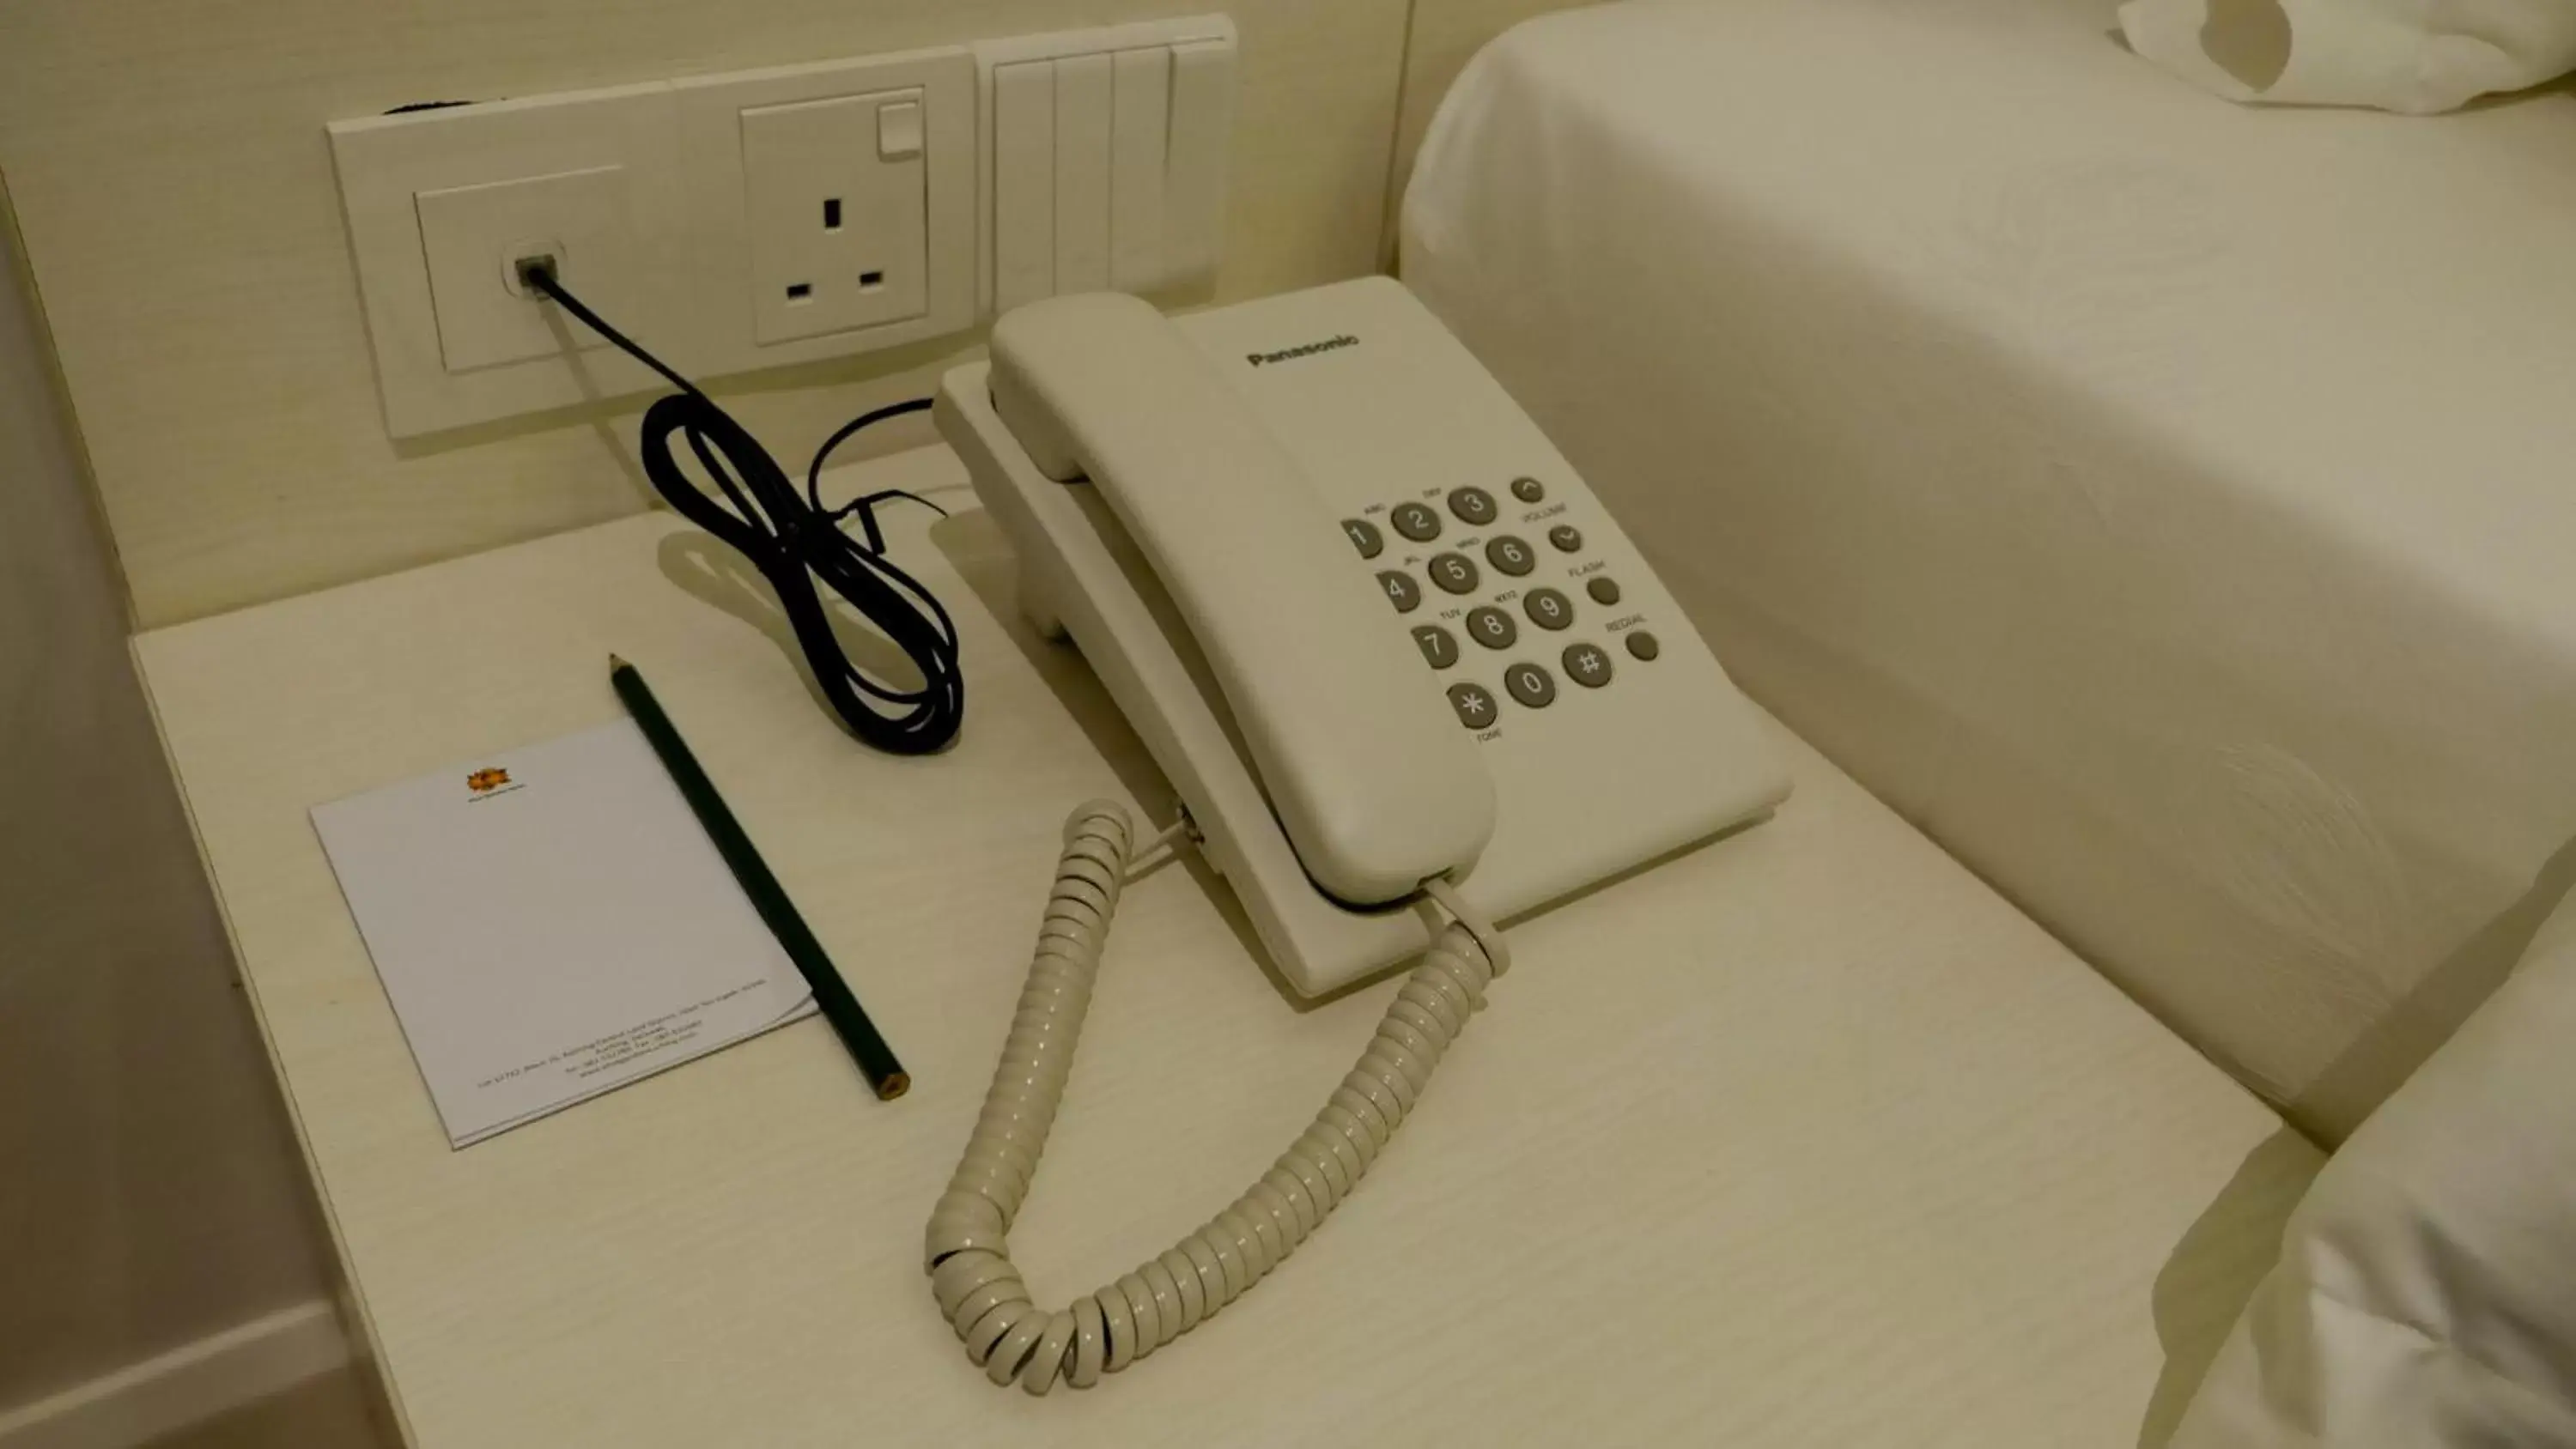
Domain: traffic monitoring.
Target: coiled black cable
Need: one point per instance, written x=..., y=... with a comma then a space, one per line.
x=795, y=541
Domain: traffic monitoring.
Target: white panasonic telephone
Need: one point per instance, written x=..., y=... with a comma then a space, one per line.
x=1405, y=674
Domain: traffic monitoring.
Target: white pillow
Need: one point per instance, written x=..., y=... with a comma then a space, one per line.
x=2416, y=56
x=2426, y=1293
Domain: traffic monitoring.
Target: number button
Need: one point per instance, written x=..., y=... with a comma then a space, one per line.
x=1548, y=609
x=1453, y=573
x=1401, y=591
x=1642, y=645
x=1439, y=648
x=1530, y=685
x=1415, y=522
x=1587, y=665
x=1492, y=627
x=1474, y=703
x=1565, y=536
x=1528, y=490
x=1472, y=505
x=1509, y=555
x=1603, y=589
x=1364, y=536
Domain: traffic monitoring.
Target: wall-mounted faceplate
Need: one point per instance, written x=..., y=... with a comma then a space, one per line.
x=835, y=205
x=1105, y=158
x=727, y=222
x=758, y=218
x=436, y=200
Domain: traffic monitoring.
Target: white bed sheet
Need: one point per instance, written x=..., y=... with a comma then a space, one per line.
x=2168, y=504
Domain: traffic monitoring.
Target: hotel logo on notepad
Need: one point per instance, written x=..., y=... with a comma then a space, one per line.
x=491, y=780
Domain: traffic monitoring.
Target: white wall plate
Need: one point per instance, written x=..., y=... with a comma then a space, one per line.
x=761, y=218
x=643, y=190
x=1105, y=158
x=433, y=186
x=714, y=130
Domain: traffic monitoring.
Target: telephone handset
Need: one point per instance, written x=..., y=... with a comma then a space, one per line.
x=1372, y=781
x=1511, y=710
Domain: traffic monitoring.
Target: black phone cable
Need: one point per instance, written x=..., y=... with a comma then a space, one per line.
x=796, y=541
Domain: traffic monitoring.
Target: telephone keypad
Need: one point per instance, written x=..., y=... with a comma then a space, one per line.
x=1511, y=556
x=1530, y=685
x=1586, y=665
x=1401, y=591
x=1492, y=627
x=1474, y=506
x=1548, y=609
x=1474, y=704
x=1453, y=573
x=1439, y=647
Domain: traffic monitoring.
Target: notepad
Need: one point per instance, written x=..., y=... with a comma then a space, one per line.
x=552, y=923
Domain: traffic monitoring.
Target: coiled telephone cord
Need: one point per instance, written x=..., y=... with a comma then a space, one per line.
x=967, y=1254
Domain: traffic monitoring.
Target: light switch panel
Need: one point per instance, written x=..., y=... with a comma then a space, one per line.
x=1195, y=161
x=1106, y=156
x=1021, y=197
x=1085, y=90
x=1140, y=123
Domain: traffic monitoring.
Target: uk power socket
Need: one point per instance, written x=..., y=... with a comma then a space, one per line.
x=837, y=198
x=833, y=205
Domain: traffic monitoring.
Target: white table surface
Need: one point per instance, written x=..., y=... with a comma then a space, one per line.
x=1801, y=1138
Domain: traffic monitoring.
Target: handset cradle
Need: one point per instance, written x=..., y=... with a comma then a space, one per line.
x=1368, y=775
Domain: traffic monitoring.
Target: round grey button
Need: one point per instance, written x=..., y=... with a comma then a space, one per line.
x=1642, y=645
x=1586, y=665
x=1364, y=536
x=1415, y=522
x=1401, y=591
x=1530, y=685
x=1474, y=703
x=1509, y=555
x=1453, y=573
x=1492, y=627
x=1548, y=609
x=1439, y=648
x=1565, y=536
x=1603, y=589
x=1528, y=490
x=1472, y=505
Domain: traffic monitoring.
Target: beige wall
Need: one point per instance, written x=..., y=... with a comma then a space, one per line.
x=179, y=208
x=148, y=1193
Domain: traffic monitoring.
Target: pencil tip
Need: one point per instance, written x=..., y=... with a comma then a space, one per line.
x=615, y=664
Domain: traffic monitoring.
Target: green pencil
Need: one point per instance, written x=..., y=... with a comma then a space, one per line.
x=831, y=994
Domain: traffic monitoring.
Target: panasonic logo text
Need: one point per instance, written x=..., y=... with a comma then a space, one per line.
x=1309, y=349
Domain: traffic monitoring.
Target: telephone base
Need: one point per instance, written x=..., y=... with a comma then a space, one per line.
x=1611, y=734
